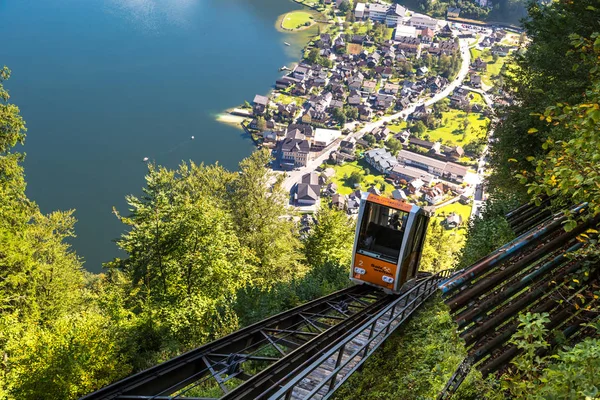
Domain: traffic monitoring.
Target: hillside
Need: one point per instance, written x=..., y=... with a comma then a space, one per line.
x=506, y=11
x=207, y=250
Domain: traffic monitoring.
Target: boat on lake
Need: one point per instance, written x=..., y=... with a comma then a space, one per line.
x=284, y=68
x=286, y=43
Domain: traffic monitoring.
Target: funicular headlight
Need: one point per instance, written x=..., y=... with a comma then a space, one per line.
x=387, y=279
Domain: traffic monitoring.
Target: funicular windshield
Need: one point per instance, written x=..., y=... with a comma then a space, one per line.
x=381, y=232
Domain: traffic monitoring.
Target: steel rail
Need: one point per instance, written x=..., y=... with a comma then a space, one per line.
x=351, y=351
x=253, y=388
x=180, y=372
x=465, y=276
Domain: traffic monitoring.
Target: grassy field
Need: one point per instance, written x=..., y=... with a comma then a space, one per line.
x=397, y=127
x=477, y=99
x=493, y=68
x=359, y=28
x=373, y=178
x=287, y=99
x=452, y=130
x=296, y=19
x=511, y=39
x=463, y=210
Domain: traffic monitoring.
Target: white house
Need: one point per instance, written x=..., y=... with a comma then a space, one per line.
x=324, y=137
x=405, y=31
x=378, y=12
x=421, y=21
x=359, y=11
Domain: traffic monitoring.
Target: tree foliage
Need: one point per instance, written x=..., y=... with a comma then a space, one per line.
x=441, y=248
x=394, y=145
x=54, y=342
x=331, y=239
x=570, y=165
x=544, y=75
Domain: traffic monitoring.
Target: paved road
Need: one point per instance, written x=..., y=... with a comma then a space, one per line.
x=294, y=176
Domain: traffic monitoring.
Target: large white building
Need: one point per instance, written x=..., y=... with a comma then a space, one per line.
x=421, y=21
x=395, y=15
x=359, y=11
x=324, y=137
x=377, y=12
x=405, y=31
x=391, y=15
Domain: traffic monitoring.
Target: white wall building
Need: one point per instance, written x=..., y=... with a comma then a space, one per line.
x=421, y=21
x=405, y=31
x=395, y=14
x=378, y=12
x=324, y=137
x=359, y=11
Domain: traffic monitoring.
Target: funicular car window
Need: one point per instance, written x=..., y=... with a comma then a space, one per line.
x=381, y=232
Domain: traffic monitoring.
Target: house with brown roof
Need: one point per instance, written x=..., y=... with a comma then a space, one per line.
x=338, y=201
x=369, y=86
x=475, y=80
x=308, y=190
x=259, y=104
x=391, y=88
x=479, y=64
x=427, y=35
x=295, y=150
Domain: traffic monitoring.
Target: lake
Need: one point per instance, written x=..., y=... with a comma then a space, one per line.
x=104, y=83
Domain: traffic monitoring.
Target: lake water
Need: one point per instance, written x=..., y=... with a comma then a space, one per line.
x=104, y=83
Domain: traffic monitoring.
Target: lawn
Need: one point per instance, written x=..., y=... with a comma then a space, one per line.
x=373, y=178
x=477, y=99
x=463, y=210
x=493, y=68
x=452, y=132
x=287, y=99
x=359, y=28
x=511, y=39
x=296, y=19
x=397, y=127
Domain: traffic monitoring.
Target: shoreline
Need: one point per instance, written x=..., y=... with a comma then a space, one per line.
x=316, y=16
x=228, y=118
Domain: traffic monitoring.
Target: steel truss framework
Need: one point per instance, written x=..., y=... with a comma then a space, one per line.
x=216, y=369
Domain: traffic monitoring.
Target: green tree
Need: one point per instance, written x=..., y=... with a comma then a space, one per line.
x=257, y=203
x=330, y=239
x=549, y=72
x=355, y=178
x=339, y=115
x=261, y=123
x=313, y=55
x=441, y=248
x=394, y=145
x=54, y=341
x=569, y=167
x=345, y=6
x=370, y=139
x=419, y=128
x=351, y=113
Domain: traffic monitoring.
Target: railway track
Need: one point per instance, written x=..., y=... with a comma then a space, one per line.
x=281, y=351
x=534, y=273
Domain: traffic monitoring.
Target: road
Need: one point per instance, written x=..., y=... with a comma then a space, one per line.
x=294, y=177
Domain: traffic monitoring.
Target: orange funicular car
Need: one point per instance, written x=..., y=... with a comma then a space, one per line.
x=388, y=243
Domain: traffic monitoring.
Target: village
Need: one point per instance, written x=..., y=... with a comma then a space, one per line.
x=386, y=101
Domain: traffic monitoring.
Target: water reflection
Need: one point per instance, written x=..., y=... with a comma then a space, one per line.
x=151, y=15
